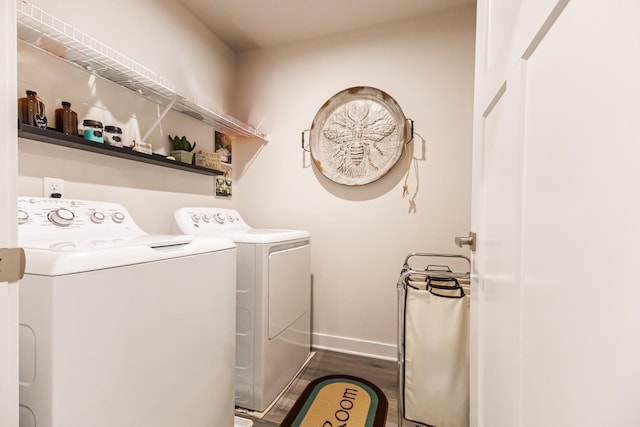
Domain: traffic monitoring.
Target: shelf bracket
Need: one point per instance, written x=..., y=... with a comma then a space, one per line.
x=160, y=117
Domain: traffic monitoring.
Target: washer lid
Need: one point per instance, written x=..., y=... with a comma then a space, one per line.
x=102, y=242
x=55, y=258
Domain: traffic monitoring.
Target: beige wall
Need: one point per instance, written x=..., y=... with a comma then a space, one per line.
x=360, y=235
x=163, y=37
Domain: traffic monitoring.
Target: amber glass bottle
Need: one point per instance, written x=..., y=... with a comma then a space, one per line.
x=31, y=110
x=67, y=119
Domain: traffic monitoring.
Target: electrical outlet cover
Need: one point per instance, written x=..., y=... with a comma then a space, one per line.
x=53, y=187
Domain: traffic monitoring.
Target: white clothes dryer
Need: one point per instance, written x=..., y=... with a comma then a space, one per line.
x=273, y=338
x=119, y=327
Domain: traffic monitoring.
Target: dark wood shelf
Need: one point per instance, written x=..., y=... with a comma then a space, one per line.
x=51, y=136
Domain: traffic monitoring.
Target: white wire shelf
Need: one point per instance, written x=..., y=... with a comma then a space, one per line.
x=44, y=31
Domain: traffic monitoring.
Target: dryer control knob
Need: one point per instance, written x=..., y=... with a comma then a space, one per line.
x=195, y=218
x=97, y=217
x=62, y=217
x=219, y=218
x=117, y=217
x=23, y=217
x=206, y=217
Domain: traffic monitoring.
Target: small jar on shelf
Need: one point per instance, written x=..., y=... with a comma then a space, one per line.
x=113, y=135
x=66, y=119
x=93, y=131
x=31, y=110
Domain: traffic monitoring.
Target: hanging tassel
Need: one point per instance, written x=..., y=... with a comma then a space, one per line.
x=405, y=186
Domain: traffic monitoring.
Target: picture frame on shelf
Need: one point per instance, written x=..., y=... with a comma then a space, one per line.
x=223, y=147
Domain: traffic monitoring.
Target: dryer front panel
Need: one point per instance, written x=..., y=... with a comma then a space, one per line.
x=289, y=287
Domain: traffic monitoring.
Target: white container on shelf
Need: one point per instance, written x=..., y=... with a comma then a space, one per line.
x=112, y=135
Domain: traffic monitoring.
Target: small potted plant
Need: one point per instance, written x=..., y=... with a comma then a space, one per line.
x=182, y=149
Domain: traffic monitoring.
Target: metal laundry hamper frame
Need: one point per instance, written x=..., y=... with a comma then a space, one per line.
x=406, y=272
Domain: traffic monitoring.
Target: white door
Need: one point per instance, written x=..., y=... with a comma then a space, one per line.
x=556, y=208
x=8, y=207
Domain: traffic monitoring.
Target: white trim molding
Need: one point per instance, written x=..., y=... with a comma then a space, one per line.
x=373, y=349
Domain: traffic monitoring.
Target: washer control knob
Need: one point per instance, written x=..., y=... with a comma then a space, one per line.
x=97, y=217
x=219, y=218
x=117, y=217
x=195, y=218
x=62, y=217
x=206, y=217
x=23, y=217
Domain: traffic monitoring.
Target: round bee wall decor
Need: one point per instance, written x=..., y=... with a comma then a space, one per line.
x=357, y=136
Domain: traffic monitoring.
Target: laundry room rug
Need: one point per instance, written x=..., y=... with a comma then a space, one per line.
x=339, y=400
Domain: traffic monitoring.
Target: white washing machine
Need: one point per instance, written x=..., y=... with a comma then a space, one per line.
x=121, y=328
x=273, y=338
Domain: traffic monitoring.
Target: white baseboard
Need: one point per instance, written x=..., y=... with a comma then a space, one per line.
x=376, y=350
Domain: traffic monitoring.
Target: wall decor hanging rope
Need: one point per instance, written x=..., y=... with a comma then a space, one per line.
x=357, y=136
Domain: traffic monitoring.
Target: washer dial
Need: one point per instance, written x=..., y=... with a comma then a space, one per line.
x=61, y=217
x=23, y=217
x=97, y=217
x=117, y=217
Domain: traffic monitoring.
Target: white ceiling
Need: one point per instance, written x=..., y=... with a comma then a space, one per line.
x=256, y=24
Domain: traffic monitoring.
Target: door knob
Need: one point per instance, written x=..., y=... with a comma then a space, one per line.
x=468, y=241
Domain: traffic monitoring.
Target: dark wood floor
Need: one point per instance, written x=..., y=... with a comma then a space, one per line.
x=382, y=373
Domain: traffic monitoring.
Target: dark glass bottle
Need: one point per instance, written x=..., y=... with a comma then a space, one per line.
x=67, y=119
x=31, y=110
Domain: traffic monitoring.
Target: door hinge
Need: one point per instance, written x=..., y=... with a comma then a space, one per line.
x=12, y=263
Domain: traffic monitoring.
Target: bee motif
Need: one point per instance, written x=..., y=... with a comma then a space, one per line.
x=356, y=135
